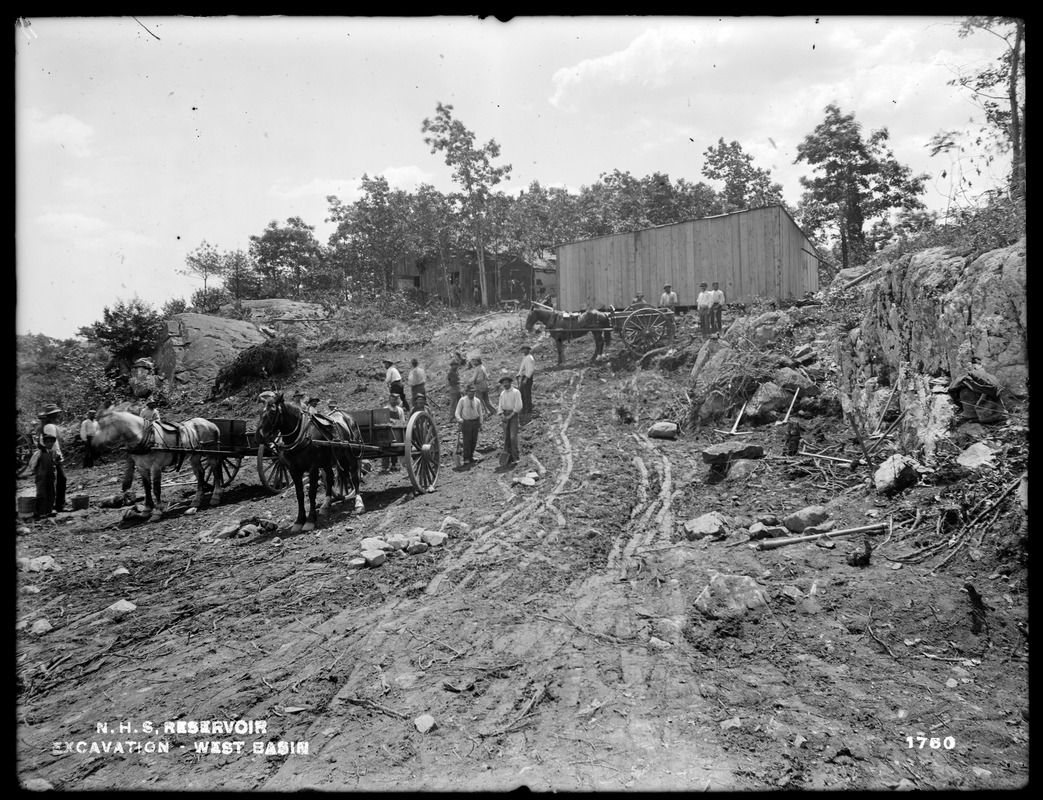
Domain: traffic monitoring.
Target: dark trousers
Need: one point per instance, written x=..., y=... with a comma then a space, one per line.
x=59, y=485
x=525, y=386
x=717, y=312
x=483, y=395
x=88, y=453
x=454, y=401
x=469, y=434
x=510, y=437
x=705, y=320
x=46, y=480
x=396, y=388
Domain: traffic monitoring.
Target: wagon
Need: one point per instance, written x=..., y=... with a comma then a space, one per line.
x=23, y=451
x=380, y=435
x=643, y=328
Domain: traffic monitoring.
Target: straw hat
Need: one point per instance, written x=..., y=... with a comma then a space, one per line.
x=48, y=409
x=506, y=379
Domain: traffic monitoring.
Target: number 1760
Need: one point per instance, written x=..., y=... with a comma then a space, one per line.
x=934, y=742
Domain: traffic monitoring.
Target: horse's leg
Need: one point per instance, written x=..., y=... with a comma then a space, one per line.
x=327, y=480
x=157, y=482
x=355, y=476
x=197, y=469
x=146, y=482
x=219, y=481
x=298, y=485
x=313, y=490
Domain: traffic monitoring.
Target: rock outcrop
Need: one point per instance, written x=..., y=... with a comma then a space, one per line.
x=192, y=348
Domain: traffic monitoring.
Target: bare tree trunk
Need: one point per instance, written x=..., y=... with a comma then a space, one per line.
x=481, y=267
x=1017, y=176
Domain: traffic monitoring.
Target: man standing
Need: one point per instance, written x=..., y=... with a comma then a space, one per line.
x=469, y=414
x=398, y=419
x=526, y=371
x=393, y=379
x=89, y=428
x=717, y=306
x=510, y=407
x=480, y=379
x=704, y=304
x=417, y=380
x=669, y=298
x=453, y=379
x=476, y=295
x=50, y=415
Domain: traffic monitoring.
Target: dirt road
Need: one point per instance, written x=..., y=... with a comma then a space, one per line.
x=552, y=638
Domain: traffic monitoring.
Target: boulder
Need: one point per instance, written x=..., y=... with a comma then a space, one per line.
x=374, y=558
x=434, y=538
x=415, y=548
x=762, y=331
x=805, y=518
x=896, y=473
x=119, y=610
x=741, y=469
x=663, y=430
x=193, y=348
x=768, y=398
x=373, y=543
x=730, y=596
x=789, y=380
x=727, y=452
x=977, y=456
x=711, y=524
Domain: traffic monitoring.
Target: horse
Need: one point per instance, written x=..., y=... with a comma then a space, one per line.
x=563, y=327
x=301, y=439
x=143, y=437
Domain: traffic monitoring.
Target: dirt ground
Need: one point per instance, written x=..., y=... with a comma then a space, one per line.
x=553, y=640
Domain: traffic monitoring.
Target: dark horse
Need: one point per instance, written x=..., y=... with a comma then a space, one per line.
x=563, y=327
x=302, y=441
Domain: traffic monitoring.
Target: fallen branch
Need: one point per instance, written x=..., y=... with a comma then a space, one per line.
x=359, y=701
x=965, y=534
x=886, y=433
x=541, y=690
x=772, y=544
x=828, y=458
x=861, y=278
x=883, y=413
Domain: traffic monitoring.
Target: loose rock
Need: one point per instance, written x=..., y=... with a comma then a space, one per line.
x=425, y=723
x=711, y=524
x=374, y=558
x=119, y=610
x=896, y=473
x=805, y=518
x=722, y=454
x=729, y=596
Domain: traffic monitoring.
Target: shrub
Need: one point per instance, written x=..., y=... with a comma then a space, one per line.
x=274, y=357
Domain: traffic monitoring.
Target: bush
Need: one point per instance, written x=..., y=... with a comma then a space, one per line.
x=274, y=357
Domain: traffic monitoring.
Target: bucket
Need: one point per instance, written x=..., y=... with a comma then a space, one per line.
x=26, y=506
x=80, y=501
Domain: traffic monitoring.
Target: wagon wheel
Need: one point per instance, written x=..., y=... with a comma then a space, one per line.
x=275, y=475
x=23, y=451
x=645, y=330
x=229, y=469
x=422, y=453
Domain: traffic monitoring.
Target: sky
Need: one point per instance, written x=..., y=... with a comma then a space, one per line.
x=139, y=138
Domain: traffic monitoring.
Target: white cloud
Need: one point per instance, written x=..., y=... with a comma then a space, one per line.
x=63, y=130
x=348, y=190
x=90, y=233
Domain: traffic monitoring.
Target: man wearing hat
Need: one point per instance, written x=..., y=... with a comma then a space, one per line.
x=510, y=407
x=716, y=306
x=393, y=380
x=453, y=379
x=312, y=404
x=49, y=439
x=298, y=400
x=151, y=413
x=704, y=303
x=669, y=298
x=89, y=428
x=468, y=413
x=526, y=371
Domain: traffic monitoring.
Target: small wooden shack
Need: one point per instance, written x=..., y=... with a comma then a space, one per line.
x=758, y=253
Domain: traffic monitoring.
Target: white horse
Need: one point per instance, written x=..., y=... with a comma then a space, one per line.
x=155, y=445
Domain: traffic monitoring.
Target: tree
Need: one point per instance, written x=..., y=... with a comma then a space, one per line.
x=284, y=256
x=128, y=330
x=172, y=307
x=858, y=180
x=745, y=186
x=472, y=170
x=999, y=91
x=240, y=276
x=204, y=262
x=436, y=230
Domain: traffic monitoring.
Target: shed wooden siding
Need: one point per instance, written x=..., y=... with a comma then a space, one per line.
x=760, y=253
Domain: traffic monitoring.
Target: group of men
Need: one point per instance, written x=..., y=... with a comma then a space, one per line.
x=710, y=305
x=514, y=404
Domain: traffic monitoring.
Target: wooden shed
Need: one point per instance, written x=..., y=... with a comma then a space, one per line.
x=757, y=253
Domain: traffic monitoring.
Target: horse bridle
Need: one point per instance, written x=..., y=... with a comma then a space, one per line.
x=297, y=432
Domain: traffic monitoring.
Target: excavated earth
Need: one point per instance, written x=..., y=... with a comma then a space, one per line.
x=553, y=641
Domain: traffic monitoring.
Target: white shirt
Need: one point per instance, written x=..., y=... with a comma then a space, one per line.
x=392, y=375
x=528, y=366
x=717, y=296
x=468, y=408
x=89, y=427
x=417, y=376
x=510, y=401
x=668, y=299
x=705, y=299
